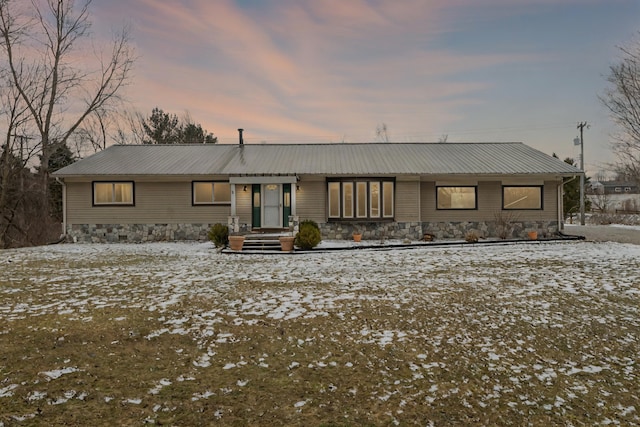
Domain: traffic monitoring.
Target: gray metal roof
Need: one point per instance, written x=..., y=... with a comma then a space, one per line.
x=322, y=159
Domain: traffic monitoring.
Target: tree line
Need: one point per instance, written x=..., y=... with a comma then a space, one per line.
x=54, y=110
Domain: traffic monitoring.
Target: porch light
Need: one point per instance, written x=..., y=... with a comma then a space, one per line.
x=244, y=189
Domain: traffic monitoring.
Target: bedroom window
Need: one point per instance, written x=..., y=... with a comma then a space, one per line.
x=464, y=197
x=522, y=197
x=350, y=199
x=211, y=193
x=113, y=193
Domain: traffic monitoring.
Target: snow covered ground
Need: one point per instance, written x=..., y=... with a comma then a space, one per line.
x=523, y=317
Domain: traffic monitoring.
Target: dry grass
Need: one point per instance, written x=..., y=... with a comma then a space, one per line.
x=487, y=351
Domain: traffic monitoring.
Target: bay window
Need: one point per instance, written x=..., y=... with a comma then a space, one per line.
x=361, y=198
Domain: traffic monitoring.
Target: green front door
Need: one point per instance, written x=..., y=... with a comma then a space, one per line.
x=255, y=206
x=286, y=205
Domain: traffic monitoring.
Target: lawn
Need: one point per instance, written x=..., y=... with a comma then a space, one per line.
x=178, y=334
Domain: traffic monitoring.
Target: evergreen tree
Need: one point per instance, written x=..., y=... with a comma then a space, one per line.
x=571, y=193
x=60, y=157
x=164, y=128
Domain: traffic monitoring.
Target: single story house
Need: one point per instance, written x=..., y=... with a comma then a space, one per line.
x=614, y=187
x=393, y=190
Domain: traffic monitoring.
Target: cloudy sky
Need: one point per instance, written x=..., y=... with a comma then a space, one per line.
x=291, y=71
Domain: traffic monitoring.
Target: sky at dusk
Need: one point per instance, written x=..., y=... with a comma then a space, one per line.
x=303, y=71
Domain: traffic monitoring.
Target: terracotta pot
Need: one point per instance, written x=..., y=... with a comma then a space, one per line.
x=286, y=243
x=236, y=242
x=357, y=237
x=533, y=235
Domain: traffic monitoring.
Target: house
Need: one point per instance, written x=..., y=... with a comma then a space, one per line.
x=614, y=187
x=394, y=190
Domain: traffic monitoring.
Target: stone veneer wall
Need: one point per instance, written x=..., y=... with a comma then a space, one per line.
x=441, y=230
x=136, y=233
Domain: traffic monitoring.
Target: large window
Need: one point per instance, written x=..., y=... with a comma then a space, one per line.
x=209, y=193
x=113, y=193
x=457, y=197
x=522, y=197
x=361, y=198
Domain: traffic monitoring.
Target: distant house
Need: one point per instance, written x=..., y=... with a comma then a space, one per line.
x=614, y=187
x=394, y=190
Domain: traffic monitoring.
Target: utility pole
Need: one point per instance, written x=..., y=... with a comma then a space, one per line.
x=581, y=127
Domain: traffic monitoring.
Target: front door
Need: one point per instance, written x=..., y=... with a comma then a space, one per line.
x=271, y=206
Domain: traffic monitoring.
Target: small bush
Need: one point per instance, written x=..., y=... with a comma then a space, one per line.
x=309, y=235
x=471, y=237
x=219, y=235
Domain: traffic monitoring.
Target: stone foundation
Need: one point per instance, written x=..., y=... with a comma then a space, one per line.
x=441, y=230
x=137, y=233
x=490, y=229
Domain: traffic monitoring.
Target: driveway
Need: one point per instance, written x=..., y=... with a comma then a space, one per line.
x=605, y=233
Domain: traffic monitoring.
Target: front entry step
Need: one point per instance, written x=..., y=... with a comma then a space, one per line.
x=266, y=242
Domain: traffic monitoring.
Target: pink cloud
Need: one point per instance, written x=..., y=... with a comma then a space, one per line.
x=316, y=70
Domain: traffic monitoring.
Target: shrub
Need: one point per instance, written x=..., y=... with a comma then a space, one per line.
x=219, y=235
x=471, y=237
x=309, y=235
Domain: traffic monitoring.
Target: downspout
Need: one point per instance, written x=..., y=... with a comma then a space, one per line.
x=64, y=206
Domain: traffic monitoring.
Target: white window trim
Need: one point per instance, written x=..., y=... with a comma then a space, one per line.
x=330, y=206
x=393, y=204
x=371, y=198
x=344, y=197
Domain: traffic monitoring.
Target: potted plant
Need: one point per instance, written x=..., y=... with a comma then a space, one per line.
x=286, y=243
x=533, y=235
x=236, y=242
x=357, y=235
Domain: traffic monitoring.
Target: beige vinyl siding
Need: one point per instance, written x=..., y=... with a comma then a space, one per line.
x=489, y=204
x=155, y=203
x=311, y=200
x=243, y=203
x=407, y=201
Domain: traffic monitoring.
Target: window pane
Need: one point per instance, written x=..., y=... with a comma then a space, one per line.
x=202, y=192
x=347, y=199
x=374, y=187
x=361, y=194
x=387, y=203
x=221, y=192
x=456, y=197
x=103, y=192
x=522, y=197
x=334, y=199
x=123, y=192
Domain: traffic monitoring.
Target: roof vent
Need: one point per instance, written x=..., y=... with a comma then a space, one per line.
x=240, y=136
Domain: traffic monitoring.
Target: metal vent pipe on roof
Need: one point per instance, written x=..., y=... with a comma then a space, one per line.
x=240, y=136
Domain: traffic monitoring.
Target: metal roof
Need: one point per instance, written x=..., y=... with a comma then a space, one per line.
x=321, y=159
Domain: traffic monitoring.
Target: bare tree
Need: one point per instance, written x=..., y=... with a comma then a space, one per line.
x=622, y=99
x=600, y=200
x=13, y=158
x=382, y=133
x=40, y=46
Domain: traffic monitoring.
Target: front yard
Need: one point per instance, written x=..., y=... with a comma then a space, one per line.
x=527, y=334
